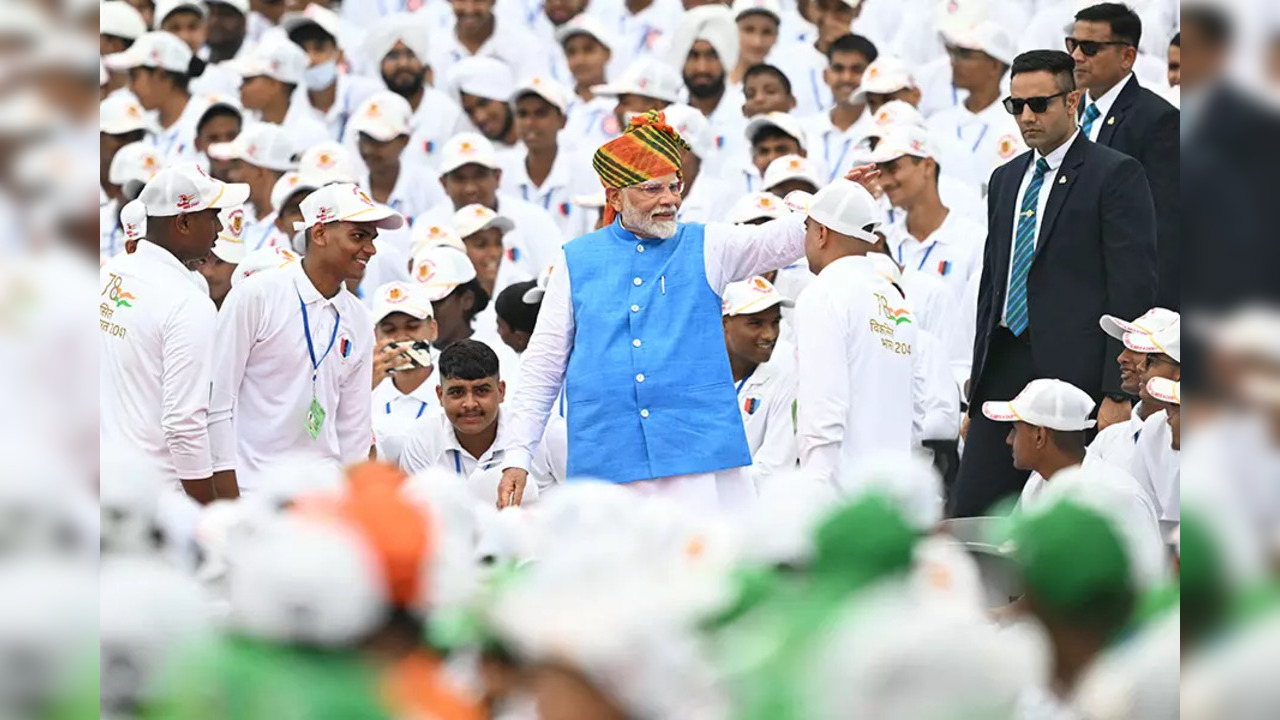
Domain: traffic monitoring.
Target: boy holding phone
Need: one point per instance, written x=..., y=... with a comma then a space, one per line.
x=404, y=389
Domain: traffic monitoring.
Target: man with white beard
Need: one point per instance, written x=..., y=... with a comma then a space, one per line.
x=630, y=326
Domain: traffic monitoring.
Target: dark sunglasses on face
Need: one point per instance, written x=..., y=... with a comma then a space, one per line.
x=1092, y=47
x=1014, y=105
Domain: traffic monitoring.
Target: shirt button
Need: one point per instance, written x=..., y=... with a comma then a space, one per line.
x=644, y=413
x=640, y=378
x=635, y=308
x=640, y=248
x=635, y=343
x=637, y=282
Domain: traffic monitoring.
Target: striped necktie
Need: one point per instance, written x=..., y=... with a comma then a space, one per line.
x=1024, y=249
x=1091, y=113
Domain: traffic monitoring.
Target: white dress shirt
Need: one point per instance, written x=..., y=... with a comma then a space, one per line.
x=437, y=118
x=511, y=43
x=804, y=65
x=1054, y=160
x=566, y=180
x=263, y=388
x=730, y=253
x=352, y=90
x=857, y=393
x=709, y=200
x=417, y=189
x=551, y=465
x=1104, y=104
x=177, y=143
x=396, y=413
x=766, y=399
x=984, y=140
x=532, y=245
x=953, y=252
x=638, y=35
x=1117, y=442
x=434, y=446
x=1157, y=468
x=830, y=149
x=156, y=358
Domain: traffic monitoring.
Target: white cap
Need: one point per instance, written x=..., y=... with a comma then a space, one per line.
x=466, y=149
x=755, y=206
x=288, y=184
x=275, y=57
x=901, y=140
x=154, y=50
x=593, y=200
x=214, y=100
x=751, y=296
x=886, y=75
x=1052, y=404
x=1167, y=341
x=482, y=76
x=584, y=24
x=133, y=220
x=135, y=161
x=426, y=235
x=120, y=19
x=329, y=162
x=534, y=294
x=895, y=112
x=780, y=120
x=843, y=206
x=268, y=258
x=440, y=269
x=229, y=247
x=692, y=125
x=988, y=36
x=646, y=77
x=790, y=167
x=383, y=116
x=473, y=218
x=241, y=6
x=1165, y=390
x=1151, y=321
x=262, y=144
x=545, y=88
x=164, y=8
x=769, y=7
x=186, y=188
x=313, y=14
x=345, y=202
x=408, y=298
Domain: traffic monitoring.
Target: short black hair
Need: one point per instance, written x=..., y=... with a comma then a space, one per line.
x=1073, y=442
x=514, y=311
x=468, y=360
x=310, y=31
x=1055, y=62
x=767, y=69
x=481, y=297
x=217, y=111
x=1125, y=23
x=1177, y=39
x=769, y=132
x=1214, y=24
x=853, y=43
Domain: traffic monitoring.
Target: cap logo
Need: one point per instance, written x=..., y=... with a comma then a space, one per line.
x=1006, y=147
x=466, y=148
x=186, y=201
x=360, y=194
x=396, y=294
x=481, y=211
x=325, y=161
x=425, y=271
x=324, y=214
x=133, y=111
x=237, y=223
x=917, y=146
x=155, y=56
x=765, y=202
x=873, y=72
x=253, y=150
x=761, y=285
x=883, y=118
x=795, y=164
x=150, y=163
x=642, y=83
x=373, y=111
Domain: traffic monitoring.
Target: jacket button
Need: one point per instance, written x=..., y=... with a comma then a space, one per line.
x=640, y=248
x=637, y=282
x=644, y=413
x=635, y=343
x=635, y=308
x=640, y=378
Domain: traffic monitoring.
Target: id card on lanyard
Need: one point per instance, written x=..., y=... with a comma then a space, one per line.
x=315, y=411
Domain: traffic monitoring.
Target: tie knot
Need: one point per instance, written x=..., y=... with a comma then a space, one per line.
x=1092, y=112
x=1042, y=166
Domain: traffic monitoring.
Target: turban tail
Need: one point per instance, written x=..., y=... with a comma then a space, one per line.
x=647, y=149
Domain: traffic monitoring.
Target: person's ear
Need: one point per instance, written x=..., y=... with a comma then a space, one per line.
x=1073, y=101
x=502, y=390
x=468, y=301
x=563, y=120
x=429, y=76
x=613, y=198
x=319, y=237
x=433, y=329
x=1128, y=56
x=497, y=176
x=440, y=393
x=1041, y=437
x=401, y=143
x=912, y=97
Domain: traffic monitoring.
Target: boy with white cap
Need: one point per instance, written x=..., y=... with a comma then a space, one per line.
x=484, y=86
x=119, y=26
x=1156, y=463
x=286, y=197
x=226, y=29
x=987, y=135
x=477, y=32
x=757, y=22
x=481, y=231
x=539, y=170
x=852, y=324
x=705, y=197
x=825, y=93
x=332, y=93
x=403, y=389
x=184, y=18
x=379, y=129
x=276, y=393
x=272, y=71
x=158, y=333
x=929, y=237
x=885, y=80
x=160, y=69
x=588, y=53
x=227, y=252
x=1116, y=442
x=790, y=173
x=259, y=156
x=1048, y=423
x=769, y=137
x=766, y=384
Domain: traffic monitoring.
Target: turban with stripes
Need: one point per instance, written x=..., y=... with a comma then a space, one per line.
x=647, y=149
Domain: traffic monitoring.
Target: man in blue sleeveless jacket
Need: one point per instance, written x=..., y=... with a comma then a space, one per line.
x=630, y=325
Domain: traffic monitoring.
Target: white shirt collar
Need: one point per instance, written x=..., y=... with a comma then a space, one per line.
x=1108, y=98
x=1056, y=157
x=451, y=437
x=150, y=251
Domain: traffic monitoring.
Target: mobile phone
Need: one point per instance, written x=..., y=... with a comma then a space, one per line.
x=416, y=353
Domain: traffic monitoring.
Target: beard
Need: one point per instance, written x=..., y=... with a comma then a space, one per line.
x=705, y=89
x=404, y=88
x=641, y=222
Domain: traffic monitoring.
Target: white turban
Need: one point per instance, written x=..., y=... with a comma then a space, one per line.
x=713, y=23
x=412, y=30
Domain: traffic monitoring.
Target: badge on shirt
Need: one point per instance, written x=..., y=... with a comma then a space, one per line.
x=315, y=419
x=750, y=405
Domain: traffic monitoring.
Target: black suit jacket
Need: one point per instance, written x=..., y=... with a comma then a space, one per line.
x=1095, y=255
x=1144, y=126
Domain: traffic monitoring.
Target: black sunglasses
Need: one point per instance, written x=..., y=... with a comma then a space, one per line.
x=1038, y=105
x=1092, y=47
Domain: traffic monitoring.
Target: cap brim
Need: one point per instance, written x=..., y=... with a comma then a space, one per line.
x=1115, y=327
x=1141, y=342
x=523, y=91
x=232, y=194
x=228, y=251
x=999, y=411
x=563, y=34
x=122, y=60
x=761, y=304
x=533, y=295
x=381, y=310
x=1165, y=390
x=224, y=151
x=381, y=216
x=379, y=133
x=436, y=292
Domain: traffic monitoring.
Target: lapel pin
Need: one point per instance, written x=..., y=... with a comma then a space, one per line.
x=1062, y=180
x=1111, y=120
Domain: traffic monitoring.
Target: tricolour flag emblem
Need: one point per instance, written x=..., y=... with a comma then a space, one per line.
x=750, y=405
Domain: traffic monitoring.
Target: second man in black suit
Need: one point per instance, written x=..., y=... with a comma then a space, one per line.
x=1070, y=237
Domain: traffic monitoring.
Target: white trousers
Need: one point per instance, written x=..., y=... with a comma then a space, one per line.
x=729, y=492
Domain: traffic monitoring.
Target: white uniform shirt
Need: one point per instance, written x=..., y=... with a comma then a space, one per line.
x=1054, y=160
x=417, y=190
x=831, y=149
x=395, y=414
x=351, y=92
x=155, y=362
x=709, y=200
x=551, y=464
x=437, y=118
x=591, y=123
x=766, y=399
x=986, y=140
x=804, y=65
x=177, y=143
x=110, y=234
x=1157, y=468
x=304, y=126
x=856, y=362
x=566, y=180
x=1104, y=103
x=953, y=252
x=511, y=43
x=730, y=253
x=263, y=233
x=434, y=445
x=637, y=35
x=533, y=244
x=262, y=387
x=1116, y=443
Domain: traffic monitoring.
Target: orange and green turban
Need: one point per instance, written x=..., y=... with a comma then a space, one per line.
x=647, y=149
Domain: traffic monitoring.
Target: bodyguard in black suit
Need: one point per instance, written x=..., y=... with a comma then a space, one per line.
x=1130, y=118
x=1071, y=235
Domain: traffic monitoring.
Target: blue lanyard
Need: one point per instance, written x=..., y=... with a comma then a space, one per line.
x=813, y=83
x=977, y=142
x=306, y=329
x=826, y=157
x=923, y=260
x=744, y=380
x=265, y=234
x=457, y=462
x=421, y=408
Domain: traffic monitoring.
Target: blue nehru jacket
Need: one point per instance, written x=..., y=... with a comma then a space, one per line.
x=649, y=388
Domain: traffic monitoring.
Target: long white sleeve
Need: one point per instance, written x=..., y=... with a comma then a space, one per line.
x=778, y=452
x=736, y=252
x=185, y=375
x=542, y=369
x=235, y=336
x=355, y=408
x=822, y=396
